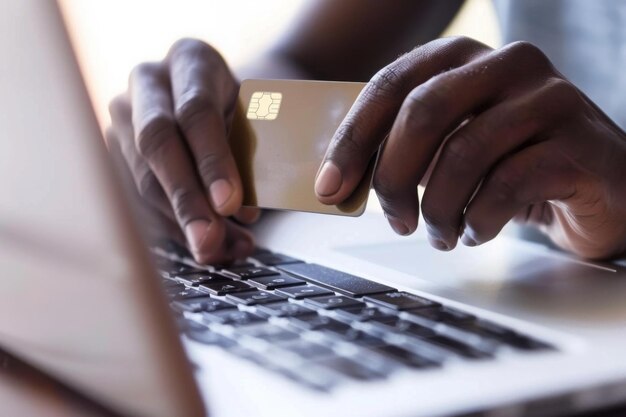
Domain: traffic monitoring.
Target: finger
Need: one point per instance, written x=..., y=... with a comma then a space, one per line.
x=154, y=223
x=157, y=139
x=248, y=215
x=471, y=151
x=370, y=118
x=121, y=118
x=431, y=112
x=535, y=175
x=146, y=183
x=238, y=244
x=538, y=215
x=204, y=93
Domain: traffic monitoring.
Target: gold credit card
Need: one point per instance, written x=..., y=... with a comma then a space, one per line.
x=280, y=133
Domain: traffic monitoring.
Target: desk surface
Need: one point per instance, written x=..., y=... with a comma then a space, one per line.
x=25, y=391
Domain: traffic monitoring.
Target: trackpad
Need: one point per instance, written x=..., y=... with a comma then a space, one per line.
x=508, y=276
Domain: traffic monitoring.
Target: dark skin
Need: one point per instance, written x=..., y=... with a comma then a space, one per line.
x=492, y=134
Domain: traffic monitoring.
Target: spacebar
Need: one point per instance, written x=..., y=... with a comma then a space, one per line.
x=335, y=280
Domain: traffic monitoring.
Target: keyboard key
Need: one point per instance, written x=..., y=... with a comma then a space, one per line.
x=186, y=324
x=197, y=305
x=333, y=301
x=442, y=314
x=268, y=332
x=172, y=285
x=259, y=251
x=307, y=350
x=250, y=272
x=197, y=278
x=276, y=281
x=337, y=328
x=335, y=280
x=470, y=339
x=387, y=323
x=184, y=293
x=310, y=322
x=273, y=259
x=405, y=356
x=457, y=347
x=323, y=324
x=315, y=377
x=397, y=325
x=349, y=368
x=233, y=317
x=527, y=343
x=487, y=328
x=502, y=335
x=415, y=330
x=207, y=337
x=303, y=291
x=400, y=300
x=360, y=338
x=362, y=313
x=255, y=297
x=285, y=309
x=226, y=287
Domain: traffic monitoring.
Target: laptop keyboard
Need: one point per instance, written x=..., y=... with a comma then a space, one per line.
x=323, y=327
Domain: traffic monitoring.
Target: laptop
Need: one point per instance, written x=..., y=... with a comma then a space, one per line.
x=331, y=316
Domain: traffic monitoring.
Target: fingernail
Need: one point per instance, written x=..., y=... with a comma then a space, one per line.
x=196, y=232
x=221, y=190
x=329, y=180
x=438, y=243
x=468, y=241
x=397, y=225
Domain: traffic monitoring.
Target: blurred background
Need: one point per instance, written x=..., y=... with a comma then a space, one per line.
x=113, y=36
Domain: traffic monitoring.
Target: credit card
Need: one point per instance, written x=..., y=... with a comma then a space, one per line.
x=280, y=132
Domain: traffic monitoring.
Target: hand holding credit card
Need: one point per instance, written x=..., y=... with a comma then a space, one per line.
x=280, y=132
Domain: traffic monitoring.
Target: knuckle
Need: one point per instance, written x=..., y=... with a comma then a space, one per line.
x=463, y=150
x=460, y=42
x=388, y=82
x=193, y=106
x=208, y=165
x=346, y=144
x=526, y=51
x=422, y=108
x=526, y=56
x=463, y=47
x=194, y=48
x=183, y=201
x=563, y=92
x=191, y=45
x=146, y=69
x=156, y=130
x=507, y=183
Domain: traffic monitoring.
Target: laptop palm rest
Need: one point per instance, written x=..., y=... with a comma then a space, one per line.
x=511, y=277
